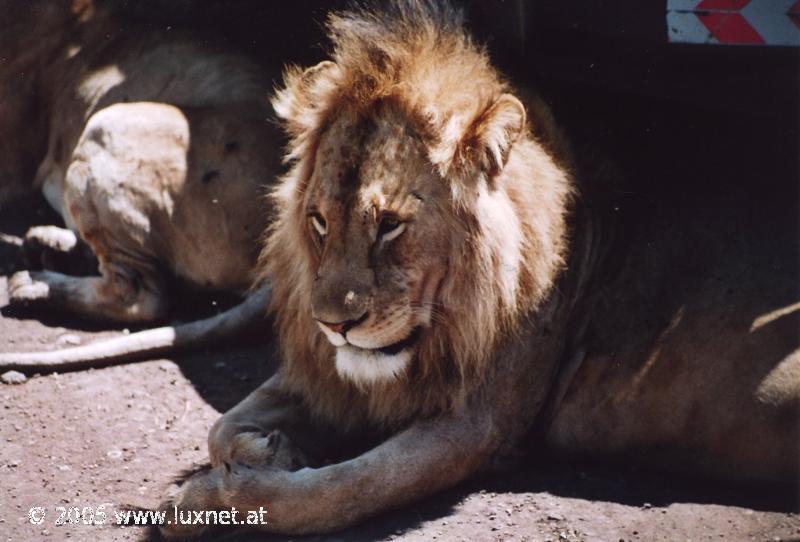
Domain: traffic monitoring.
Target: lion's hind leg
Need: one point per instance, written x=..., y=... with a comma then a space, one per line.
x=118, y=194
x=130, y=288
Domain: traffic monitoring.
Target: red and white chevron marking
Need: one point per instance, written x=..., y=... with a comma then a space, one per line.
x=734, y=22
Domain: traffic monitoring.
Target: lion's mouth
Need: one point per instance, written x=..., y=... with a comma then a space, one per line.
x=368, y=365
x=394, y=348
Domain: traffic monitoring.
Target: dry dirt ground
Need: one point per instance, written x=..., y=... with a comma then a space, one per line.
x=118, y=435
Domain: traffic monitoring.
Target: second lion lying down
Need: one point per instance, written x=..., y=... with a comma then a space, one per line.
x=431, y=284
x=158, y=149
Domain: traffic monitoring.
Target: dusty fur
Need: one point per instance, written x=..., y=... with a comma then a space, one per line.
x=417, y=60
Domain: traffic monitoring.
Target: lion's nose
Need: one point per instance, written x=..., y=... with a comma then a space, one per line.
x=345, y=326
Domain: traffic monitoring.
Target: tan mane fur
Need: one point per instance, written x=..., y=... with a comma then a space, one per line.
x=510, y=205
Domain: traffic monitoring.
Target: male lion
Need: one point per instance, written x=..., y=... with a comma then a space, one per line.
x=436, y=287
x=158, y=146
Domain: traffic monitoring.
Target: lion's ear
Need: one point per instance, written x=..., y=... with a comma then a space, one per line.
x=312, y=74
x=304, y=95
x=496, y=130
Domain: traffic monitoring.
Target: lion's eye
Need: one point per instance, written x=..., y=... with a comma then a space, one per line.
x=319, y=223
x=389, y=228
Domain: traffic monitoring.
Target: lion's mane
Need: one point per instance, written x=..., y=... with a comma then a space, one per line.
x=418, y=57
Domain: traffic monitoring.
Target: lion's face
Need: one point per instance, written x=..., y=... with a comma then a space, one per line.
x=376, y=215
x=418, y=227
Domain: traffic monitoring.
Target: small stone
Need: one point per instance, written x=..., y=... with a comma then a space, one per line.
x=555, y=517
x=13, y=377
x=114, y=454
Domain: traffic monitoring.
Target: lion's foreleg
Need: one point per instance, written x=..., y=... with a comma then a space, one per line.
x=426, y=457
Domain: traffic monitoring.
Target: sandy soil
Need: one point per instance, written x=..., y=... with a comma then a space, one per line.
x=118, y=435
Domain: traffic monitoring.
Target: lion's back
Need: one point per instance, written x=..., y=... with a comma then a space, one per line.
x=693, y=351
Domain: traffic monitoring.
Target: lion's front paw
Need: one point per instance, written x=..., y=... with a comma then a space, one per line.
x=260, y=450
x=197, y=494
x=24, y=288
x=281, y=452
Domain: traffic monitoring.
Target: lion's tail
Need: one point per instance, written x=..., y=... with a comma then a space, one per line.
x=144, y=344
